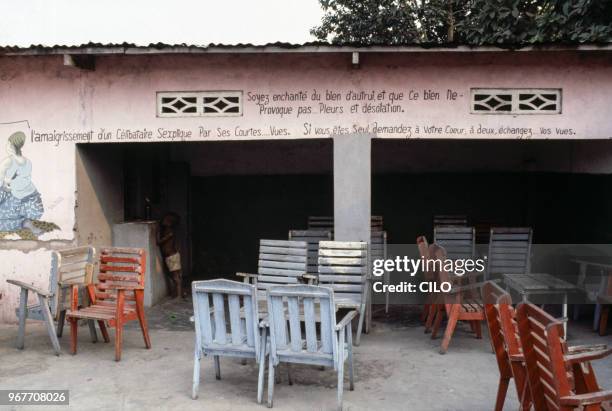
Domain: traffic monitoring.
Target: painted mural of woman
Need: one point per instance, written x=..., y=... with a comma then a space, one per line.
x=20, y=202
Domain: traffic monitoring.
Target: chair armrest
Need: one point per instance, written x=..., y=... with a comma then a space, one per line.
x=586, y=348
x=248, y=275
x=346, y=320
x=29, y=287
x=585, y=399
x=587, y=356
x=310, y=278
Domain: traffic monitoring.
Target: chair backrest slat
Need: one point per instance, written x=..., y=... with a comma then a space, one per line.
x=312, y=238
x=293, y=322
x=281, y=262
x=226, y=316
x=509, y=251
x=310, y=324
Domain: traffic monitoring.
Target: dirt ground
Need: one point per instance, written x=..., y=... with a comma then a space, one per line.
x=397, y=367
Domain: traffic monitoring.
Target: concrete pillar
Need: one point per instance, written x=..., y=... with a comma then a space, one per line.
x=352, y=187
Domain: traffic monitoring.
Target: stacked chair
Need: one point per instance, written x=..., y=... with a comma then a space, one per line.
x=530, y=348
x=274, y=315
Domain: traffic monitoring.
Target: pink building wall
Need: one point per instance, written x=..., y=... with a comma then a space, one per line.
x=98, y=106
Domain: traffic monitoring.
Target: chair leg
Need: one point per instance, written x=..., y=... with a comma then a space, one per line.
x=502, y=389
x=92, y=331
x=44, y=308
x=424, y=313
x=60, y=323
x=603, y=320
x=349, y=345
x=118, y=341
x=270, y=382
x=196, y=374
x=430, y=317
x=139, y=295
x=217, y=367
x=23, y=306
x=437, y=321
x=104, y=331
x=362, y=315
x=340, y=380
x=262, y=366
x=119, y=324
x=478, y=329
x=453, y=316
x=74, y=328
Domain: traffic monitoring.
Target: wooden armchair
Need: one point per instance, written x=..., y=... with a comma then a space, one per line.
x=72, y=266
x=548, y=362
x=245, y=338
x=458, y=304
x=503, y=332
x=294, y=337
x=117, y=297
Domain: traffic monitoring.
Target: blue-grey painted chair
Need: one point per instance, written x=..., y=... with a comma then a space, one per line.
x=293, y=314
x=219, y=306
x=69, y=266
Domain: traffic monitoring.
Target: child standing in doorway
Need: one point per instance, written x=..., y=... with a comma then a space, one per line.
x=167, y=243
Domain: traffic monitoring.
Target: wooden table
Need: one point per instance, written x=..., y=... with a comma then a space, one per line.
x=540, y=284
x=605, y=267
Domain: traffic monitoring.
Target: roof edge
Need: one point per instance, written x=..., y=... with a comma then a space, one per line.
x=131, y=49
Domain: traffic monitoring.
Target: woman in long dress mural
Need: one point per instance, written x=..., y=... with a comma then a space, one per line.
x=21, y=206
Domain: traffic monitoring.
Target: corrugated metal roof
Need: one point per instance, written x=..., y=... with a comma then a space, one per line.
x=280, y=47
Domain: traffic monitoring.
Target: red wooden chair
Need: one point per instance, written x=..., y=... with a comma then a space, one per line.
x=503, y=332
x=458, y=304
x=117, y=297
x=559, y=379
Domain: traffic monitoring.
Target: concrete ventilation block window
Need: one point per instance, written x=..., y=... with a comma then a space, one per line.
x=199, y=103
x=515, y=101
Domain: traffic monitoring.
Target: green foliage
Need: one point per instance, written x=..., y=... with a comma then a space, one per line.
x=473, y=22
x=368, y=22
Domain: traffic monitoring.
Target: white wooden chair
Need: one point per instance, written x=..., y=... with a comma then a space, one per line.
x=290, y=342
x=343, y=267
x=509, y=251
x=68, y=267
x=212, y=300
x=280, y=262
